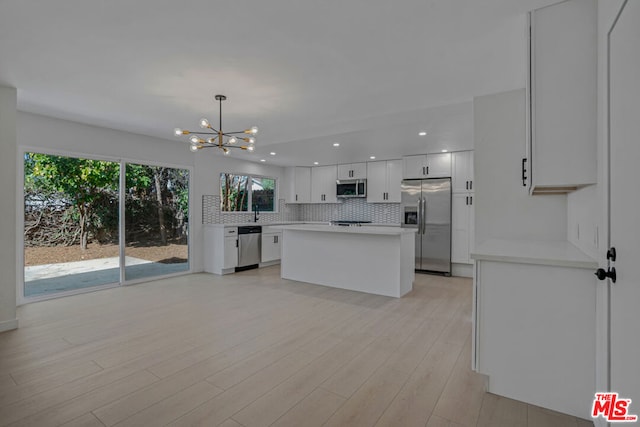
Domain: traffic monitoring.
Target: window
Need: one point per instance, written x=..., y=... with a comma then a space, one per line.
x=73, y=224
x=237, y=196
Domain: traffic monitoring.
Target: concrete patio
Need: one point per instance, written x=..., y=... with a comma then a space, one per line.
x=61, y=277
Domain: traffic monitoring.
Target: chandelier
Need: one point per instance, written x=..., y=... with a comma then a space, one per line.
x=221, y=140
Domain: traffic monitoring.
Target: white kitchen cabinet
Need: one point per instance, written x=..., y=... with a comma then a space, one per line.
x=462, y=227
x=271, y=246
x=323, y=184
x=534, y=317
x=384, y=181
x=299, y=179
x=220, y=249
x=562, y=144
x=427, y=166
x=462, y=171
x=230, y=252
x=352, y=171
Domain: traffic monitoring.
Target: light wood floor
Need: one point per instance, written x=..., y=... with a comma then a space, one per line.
x=250, y=350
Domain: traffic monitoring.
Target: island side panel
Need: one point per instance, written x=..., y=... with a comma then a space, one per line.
x=360, y=262
x=407, y=262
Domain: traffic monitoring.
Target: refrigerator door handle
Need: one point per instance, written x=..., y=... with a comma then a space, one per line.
x=424, y=215
x=419, y=216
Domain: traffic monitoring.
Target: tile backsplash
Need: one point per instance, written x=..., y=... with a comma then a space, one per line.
x=349, y=210
x=211, y=213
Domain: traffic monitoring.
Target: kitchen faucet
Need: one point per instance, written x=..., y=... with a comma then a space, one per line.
x=256, y=213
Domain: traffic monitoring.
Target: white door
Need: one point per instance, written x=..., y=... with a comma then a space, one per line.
x=394, y=181
x=302, y=185
x=376, y=182
x=624, y=202
x=460, y=228
x=439, y=165
x=230, y=252
x=414, y=167
x=462, y=171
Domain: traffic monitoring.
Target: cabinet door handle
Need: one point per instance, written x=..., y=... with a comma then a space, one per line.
x=467, y=201
x=423, y=172
x=466, y=185
x=470, y=185
x=471, y=200
x=524, y=172
x=236, y=243
x=296, y=197
x=427, y=170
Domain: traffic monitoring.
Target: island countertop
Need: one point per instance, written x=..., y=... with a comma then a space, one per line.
x=364, y=229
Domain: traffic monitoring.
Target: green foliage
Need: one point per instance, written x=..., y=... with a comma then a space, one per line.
x=87, y=191
x=60, y=174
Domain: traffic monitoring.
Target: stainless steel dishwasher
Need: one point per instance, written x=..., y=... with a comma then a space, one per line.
x=249, y=245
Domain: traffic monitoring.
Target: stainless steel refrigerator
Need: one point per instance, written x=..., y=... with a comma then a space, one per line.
x=426, y=206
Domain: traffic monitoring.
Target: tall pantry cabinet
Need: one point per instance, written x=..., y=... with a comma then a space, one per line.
x=462, y=207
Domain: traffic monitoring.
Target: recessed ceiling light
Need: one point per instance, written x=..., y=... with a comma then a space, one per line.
x=336, y=144
x=444, y=151
x=372, y=157
x=262, y=160
x=272, y=153
x=422, y=133
x=316, y=163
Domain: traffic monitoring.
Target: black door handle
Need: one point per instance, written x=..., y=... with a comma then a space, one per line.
x=602, y=274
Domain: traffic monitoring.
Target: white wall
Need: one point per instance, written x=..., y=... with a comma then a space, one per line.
x=504, y=209
x=8, y=97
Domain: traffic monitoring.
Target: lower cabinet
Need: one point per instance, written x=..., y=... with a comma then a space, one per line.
x=534, y=333
x=230, y=252
x=271, y=246
x=462, y=227
x=220, y=249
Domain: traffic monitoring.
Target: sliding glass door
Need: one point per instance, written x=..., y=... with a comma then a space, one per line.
x=70, y=223
x=156, y=221
x=76, y=210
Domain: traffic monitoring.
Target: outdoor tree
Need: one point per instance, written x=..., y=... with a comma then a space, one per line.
x=80, y=181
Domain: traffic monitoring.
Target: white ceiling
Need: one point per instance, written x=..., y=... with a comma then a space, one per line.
x=365, y=73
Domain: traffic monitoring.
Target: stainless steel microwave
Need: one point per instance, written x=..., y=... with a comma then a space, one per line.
x=346, y=188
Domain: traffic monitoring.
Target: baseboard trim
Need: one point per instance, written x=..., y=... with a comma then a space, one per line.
x=8, y=325
x=462, y=270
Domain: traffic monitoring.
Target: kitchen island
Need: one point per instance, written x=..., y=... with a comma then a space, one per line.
x=376, y=260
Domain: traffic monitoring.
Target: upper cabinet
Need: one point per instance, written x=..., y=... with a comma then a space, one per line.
x=562, y=136
x=323, y=184
x=427, y=166
x=462, y=171
x=384, y=181
x=352, y=171
x=300, y=184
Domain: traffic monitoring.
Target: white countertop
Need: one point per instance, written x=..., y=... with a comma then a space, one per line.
x=264, y=224
x=279, y=223
x=365, y=229
x=557, y=253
